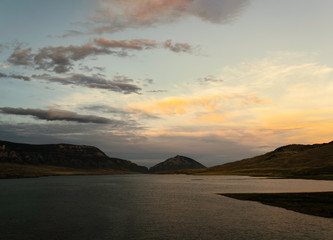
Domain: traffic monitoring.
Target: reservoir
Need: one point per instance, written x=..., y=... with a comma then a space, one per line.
x=155, y=207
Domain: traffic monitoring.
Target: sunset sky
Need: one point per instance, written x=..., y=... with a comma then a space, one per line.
x=144, y=80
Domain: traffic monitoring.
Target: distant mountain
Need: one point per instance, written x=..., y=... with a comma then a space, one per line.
x=310, y=161
x=63, y=155
x=176, y=163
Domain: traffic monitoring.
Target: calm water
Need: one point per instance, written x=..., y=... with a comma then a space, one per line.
x=153, y=207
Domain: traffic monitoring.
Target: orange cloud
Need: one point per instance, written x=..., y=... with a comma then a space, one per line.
x=116, y=15
x=204, y=104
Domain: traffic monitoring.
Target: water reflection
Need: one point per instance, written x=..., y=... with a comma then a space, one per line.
x=153, y=207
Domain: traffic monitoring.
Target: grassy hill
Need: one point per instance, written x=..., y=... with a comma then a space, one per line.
x=292, y=161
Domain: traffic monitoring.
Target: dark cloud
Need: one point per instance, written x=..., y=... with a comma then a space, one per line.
x=117, y=15
x=105, y=109
x=210, y=79
x=122, y=79
x=57, y=115
x=61, y=59
x=144, y=44
x=91, y=69
x=25, y=78
x=135, y=44
x=117, y=85
x=177, y=47
x=21, y=56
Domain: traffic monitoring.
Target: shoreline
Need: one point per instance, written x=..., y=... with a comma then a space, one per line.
x=318, y=204
x=19, y=171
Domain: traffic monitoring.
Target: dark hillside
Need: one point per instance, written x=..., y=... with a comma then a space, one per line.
x=176, y=163
x=63, y=155
x=313, y=161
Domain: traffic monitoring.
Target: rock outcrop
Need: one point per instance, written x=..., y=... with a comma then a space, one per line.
x=176, y=163
x=64, y=155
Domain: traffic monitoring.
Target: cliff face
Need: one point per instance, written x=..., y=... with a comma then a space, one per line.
x=64, y=155
x=176, y=163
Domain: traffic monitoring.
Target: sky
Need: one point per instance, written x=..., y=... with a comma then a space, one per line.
x=145, y=80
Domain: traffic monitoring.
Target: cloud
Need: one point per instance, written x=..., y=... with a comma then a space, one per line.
x=91, y=69
x=119, y=83
x=210, y=79
x=21, y=56
x=204, y=104
x=61, y=59
x=149, y=81
x=57, y=115
x=125, y=112
x=116, y=15
x=158, y=91
x=25, y=78
x=177, y=47
x=135, y=44
x=144, y=44
x=4, y=65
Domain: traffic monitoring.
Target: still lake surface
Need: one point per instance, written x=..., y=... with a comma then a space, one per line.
x=153, y=207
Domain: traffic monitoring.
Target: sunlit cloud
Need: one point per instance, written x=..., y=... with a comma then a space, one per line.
x=4, y=65
x=265, y=103
x=116, y=15
x=192, y=104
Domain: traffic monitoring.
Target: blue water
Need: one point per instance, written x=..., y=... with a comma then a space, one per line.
x=153, y=207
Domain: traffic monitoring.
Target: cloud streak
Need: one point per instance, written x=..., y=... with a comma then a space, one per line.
x=61, y=59
x=210, y=79
x=119, y=84
x=21, y=77
x=56, y=115
x=128, y=112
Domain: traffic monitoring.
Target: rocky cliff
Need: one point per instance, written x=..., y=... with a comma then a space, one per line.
x=63, y=155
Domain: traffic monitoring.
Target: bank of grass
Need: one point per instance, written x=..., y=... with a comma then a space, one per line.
x=10, y=170
x=313, y=203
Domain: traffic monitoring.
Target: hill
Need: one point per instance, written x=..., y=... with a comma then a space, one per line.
x=176, y=163
x=299, y=161
x=53, y=158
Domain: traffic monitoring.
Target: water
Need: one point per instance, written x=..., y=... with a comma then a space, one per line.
x=153, y=207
